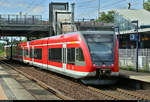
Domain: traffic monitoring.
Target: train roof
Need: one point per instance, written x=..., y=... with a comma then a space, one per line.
x=79, y=32
x=96, y=32
x=72, y=36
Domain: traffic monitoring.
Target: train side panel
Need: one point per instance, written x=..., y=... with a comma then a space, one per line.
x=8, y=51
x=38, y=49
x=64, y=54
x=115, y=70
x=45, y=54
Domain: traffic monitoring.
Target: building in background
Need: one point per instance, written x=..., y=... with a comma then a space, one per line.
x=123, y=19
x=126, y=29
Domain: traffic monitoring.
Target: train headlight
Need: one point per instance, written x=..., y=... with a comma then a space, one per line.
x=103, y=65
x=94, y=65
x=112, y=65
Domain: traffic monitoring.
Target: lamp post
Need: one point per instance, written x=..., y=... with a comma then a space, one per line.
x=137, y=43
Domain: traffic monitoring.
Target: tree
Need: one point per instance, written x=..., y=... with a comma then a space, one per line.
x=2, y=49
x=147, y=5
x=106, y=18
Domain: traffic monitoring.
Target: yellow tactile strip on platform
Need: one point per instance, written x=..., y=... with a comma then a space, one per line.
x=2, y=94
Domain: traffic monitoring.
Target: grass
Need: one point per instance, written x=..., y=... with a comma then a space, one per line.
x=2, y=53
x=132, y=68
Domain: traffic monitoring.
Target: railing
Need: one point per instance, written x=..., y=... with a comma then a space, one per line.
x=22, y=19
x=127, y=58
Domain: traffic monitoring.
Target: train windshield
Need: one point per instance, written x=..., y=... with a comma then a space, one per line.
x=100, y=46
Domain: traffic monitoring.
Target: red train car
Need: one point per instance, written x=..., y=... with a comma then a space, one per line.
x=81, y=55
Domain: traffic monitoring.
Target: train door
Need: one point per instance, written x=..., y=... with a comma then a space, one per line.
x=31, y=55
x=22, y=60
x=64, y=57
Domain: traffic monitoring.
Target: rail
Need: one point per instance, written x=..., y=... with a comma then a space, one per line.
x=71, y=89
x=54, y=91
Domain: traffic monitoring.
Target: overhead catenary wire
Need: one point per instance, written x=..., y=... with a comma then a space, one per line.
x=83, y=2
x=7, y=7
x=95, y=7
x=29, y=6
x=112, y=3
x=102, y=7
x=35, y=5
x=88, y=11
x=118, y=3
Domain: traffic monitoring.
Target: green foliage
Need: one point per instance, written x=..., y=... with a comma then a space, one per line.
x=147, y=5
x=15, y=41
x=132, y=68
x=2, y=46
x=2, y=53
x=129, y=68
x=106, y=18
x=2, y=49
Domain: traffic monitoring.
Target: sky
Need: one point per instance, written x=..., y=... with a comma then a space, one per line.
x=87, y=9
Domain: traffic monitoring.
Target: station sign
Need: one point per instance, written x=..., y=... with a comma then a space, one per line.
x=133, y=37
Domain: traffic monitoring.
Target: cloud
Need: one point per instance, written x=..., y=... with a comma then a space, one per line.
x=23, y=6
x=37, y=10
x=9, y=5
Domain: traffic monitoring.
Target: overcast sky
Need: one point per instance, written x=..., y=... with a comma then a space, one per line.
x=83, y=8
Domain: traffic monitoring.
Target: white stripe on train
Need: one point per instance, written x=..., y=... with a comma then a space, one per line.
x=74, y=74
x=56, y=43
x=71, y=73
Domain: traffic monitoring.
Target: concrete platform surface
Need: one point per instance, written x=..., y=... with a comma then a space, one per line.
x=11, y=89
x=141, y=76
x=14, y=86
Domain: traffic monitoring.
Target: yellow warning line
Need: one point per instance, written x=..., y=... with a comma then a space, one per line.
x=2, y=94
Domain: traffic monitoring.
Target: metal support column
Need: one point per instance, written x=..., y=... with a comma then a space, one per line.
x=137, y=43
x=147, y=61
x=137, y=48
x=72, y=18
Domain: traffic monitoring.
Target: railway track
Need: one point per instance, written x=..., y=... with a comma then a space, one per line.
x=54, y=91
x=70, y=90
x=122, y=94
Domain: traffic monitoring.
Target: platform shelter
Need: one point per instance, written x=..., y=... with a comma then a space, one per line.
x=128, y=24
x=125, y=19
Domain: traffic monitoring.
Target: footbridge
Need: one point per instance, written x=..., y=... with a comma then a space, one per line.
x=23, y=25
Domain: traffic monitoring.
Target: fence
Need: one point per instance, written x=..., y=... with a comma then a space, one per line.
x=127, y=58
x=21, y=19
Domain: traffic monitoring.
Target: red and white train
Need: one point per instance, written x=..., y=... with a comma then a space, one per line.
x=80, y=55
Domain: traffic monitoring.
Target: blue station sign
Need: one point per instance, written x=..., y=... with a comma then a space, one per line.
x=133, y=37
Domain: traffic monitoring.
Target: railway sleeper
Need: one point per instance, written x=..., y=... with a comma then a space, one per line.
x=107, y=94
x=134, y=94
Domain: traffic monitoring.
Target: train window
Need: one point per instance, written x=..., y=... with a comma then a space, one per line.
x=38, y=53
x=31, y=56
x=98, y=38
x=55, y=54
x=8, y=53
x=26, y=53
x=71, y=56
x=80, y=57
x=20, y=52
x=14, y=51
x=100, y=46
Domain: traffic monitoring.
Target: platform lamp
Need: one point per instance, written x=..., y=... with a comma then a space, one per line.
x=137, y=43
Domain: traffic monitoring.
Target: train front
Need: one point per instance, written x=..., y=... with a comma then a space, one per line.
x=103, y=49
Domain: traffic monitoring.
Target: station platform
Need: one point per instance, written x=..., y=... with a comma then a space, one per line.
x=141, y=76
x=12, y=89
